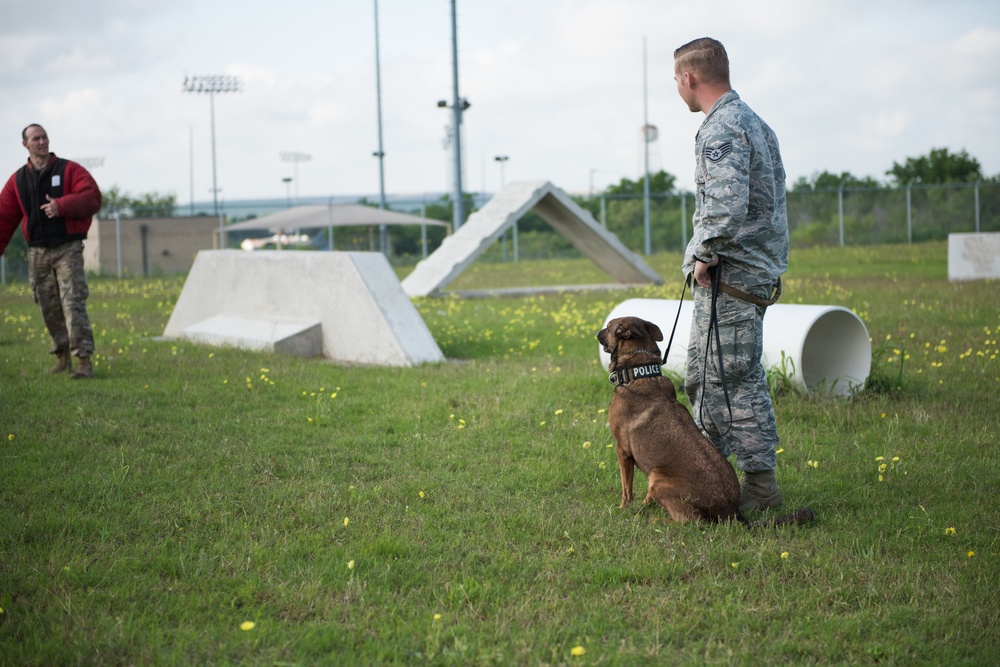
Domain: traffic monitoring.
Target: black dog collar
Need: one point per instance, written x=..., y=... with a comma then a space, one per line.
x=626, y=375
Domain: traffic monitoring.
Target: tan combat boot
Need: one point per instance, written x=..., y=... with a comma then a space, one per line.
x=83, y=370
x=64, y=362
x=759, y=490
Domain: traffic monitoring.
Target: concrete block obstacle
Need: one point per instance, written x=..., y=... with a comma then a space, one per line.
x=554, y=206
x=346, y=306
x=974, y=256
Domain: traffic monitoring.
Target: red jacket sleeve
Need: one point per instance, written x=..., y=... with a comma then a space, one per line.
x=83, y=197
x=11, y=213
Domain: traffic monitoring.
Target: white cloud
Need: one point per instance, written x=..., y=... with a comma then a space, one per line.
x=79, y=61
x=981, y=41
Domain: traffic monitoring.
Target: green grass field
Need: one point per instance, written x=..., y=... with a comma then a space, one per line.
x=195, y=505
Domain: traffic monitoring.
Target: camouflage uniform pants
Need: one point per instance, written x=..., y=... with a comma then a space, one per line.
x=59, y=285
x=752, y=433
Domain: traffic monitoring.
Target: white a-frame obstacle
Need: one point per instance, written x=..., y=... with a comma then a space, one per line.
x=554, y=206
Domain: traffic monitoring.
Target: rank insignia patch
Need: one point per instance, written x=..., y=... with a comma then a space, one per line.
x=719, y=152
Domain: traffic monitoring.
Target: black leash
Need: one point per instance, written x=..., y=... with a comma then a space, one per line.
x=713, y=323
x=680, y=303
x=621, y=377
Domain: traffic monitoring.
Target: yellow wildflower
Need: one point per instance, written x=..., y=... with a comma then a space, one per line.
x=577, y=651
x=246, y=626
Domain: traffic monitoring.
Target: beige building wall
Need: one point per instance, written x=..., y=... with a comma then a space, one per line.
x=149, y=246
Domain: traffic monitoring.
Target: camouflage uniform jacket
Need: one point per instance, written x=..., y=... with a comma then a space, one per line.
x=740, y=199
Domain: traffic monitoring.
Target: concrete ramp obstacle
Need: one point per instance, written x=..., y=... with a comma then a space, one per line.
x=346, y=306
x=554, y=206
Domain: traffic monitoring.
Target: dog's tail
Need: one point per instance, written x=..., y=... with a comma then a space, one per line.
x=797, y=518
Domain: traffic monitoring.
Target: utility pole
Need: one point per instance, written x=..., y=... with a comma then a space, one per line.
x=380, y=153
x=458, y=105
x=646, y=131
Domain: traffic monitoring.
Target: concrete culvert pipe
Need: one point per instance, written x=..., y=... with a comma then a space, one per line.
x=826, y=348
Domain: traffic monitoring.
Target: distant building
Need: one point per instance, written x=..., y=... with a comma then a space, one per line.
x=149, y=246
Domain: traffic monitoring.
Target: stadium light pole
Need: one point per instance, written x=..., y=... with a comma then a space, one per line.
x=89, y=163
x=212, y=84
x=295, y=158
x=502, y=161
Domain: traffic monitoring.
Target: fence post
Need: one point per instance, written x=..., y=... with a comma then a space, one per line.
x=840, y=212
x=118, y=240
x=909, y=216
x=513, y=240
x=423, y=233
x=977, y=206
x=684, y=224
x=329, y=221
x=604, y=212
x=3, y=270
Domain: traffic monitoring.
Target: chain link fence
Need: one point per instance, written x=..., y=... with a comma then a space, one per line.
x=821, y=217
x=825, y=217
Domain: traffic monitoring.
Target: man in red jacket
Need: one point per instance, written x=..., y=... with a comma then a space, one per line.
x=54, y=201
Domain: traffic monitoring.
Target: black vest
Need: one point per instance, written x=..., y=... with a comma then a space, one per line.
x=32, y=186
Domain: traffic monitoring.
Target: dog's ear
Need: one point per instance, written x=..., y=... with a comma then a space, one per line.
x=602, y=338
x=654, y=331
x=634, y=331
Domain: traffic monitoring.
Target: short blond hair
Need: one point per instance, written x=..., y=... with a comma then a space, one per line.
x=705, y=56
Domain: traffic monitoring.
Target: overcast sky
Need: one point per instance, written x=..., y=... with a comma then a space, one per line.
x=556, y=85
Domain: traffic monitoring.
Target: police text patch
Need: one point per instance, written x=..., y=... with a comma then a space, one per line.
x=719, y=152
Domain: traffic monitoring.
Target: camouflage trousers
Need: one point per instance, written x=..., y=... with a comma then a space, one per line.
x=59, y=285
x=752, y=432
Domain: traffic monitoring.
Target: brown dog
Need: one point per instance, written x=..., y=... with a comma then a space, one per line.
x=687, y=474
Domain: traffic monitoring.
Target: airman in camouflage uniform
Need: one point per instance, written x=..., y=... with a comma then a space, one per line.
x=741, y=234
